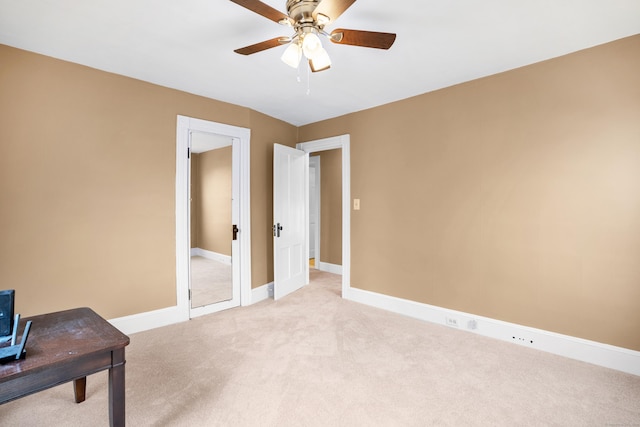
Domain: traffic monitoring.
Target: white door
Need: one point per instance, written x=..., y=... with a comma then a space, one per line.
x=291, y=220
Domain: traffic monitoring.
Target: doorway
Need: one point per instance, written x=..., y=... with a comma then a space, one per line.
x=189, y=130
x=342, y=142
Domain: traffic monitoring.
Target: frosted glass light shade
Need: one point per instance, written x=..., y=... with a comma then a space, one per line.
x=292, y=55
x=311, y=45
x=321, y=61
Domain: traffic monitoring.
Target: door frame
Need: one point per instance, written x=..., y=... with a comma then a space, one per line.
x=184, y=126
x=343, y=142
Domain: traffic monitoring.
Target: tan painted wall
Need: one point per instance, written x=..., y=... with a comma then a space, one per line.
x=516, y=196
x=331, y=206
x=211, y=180
x=87, y=182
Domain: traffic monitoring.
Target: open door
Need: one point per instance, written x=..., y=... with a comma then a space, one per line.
x=291, y=220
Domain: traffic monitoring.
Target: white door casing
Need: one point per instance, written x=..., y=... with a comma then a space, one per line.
x=241, y=160
x=291, y=220
x=343, y=142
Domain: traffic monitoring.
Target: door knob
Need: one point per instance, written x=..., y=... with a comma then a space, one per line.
x=277, y=228
x=235, y=232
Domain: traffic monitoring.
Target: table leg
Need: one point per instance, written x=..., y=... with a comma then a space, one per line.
x=116, y=389
x=79, y=389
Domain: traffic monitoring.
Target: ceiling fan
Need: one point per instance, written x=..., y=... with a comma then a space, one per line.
x=308, y=18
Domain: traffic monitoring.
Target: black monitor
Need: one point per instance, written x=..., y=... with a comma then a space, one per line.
x=6, y=312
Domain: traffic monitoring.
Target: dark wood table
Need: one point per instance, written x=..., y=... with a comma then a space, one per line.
x=67, y=346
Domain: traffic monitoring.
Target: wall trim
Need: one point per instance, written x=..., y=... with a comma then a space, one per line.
x=605, y=355
x=141, y=322
x=215, y=256
x=330, y=268
x=149, y=320
x=593, y=352
x=261, y=293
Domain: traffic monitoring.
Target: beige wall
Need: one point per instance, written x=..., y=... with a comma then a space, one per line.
x=515, y=197
x=331, y=206
x=87, y=180
x=211, y=200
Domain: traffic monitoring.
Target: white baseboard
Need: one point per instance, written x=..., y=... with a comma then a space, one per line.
x=600, y=354
x=330, y=268
x=261, y=293
x=606, y=355
x=167, y=316
x=149, y=320
x=225, y=259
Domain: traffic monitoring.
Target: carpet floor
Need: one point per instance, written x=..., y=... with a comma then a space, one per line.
x=314, y=359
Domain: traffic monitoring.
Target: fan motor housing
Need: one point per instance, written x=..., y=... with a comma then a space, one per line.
x=301, y=11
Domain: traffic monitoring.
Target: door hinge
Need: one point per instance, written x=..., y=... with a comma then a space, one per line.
x=188, y=152
x=189, y=294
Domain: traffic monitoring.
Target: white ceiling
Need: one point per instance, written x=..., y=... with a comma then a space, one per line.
x=188, y=45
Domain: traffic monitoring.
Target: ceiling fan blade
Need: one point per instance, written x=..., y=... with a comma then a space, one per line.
x=259, y=47
x=265, y=10
x=332, y=8
x=362, y=38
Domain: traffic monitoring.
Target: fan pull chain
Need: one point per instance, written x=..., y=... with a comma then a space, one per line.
x=308, y=81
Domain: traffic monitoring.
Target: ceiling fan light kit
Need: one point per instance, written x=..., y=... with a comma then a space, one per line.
x=292, y=55
x=320, y=62
x=311, y=45
x=308, y=19
x=308, y=44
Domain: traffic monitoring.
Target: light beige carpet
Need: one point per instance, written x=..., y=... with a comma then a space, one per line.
x=313, y=359
x=211, y=281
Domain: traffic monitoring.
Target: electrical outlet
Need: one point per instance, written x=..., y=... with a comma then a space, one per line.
x=522, y=340
x=451, y=321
